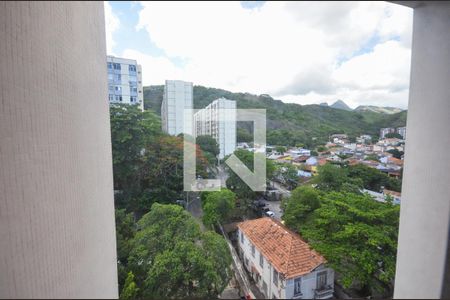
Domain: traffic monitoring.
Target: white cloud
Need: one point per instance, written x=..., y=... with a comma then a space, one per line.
x=112, y=23
x=290, y=50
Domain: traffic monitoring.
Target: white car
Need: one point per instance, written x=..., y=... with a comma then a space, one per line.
x=270, y=213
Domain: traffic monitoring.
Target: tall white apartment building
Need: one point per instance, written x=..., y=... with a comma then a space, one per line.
x=402, y=132
x=177, y=96
x=125, y=81
x=218, y=120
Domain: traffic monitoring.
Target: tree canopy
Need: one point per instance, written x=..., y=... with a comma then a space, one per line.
x=217, y=206
x=169, y=238
x=358, y=237
x=208, y=144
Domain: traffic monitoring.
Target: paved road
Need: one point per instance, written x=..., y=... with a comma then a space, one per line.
x=275, y=207
x=278, y=186
x=194, y=207
x=222, y=175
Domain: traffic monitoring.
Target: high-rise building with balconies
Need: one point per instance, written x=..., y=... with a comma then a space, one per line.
x=125, y=81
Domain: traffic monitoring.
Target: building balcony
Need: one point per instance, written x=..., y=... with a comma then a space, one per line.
x=325, y=292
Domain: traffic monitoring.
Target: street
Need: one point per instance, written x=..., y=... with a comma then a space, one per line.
x=275, y=207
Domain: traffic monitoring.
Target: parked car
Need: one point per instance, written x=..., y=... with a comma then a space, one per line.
x=270, y=213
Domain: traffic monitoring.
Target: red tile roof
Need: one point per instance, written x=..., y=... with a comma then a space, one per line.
x=284, y=249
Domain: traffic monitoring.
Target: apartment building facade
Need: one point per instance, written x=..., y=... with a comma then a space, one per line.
x=218, y=120
x=125, y=81
x=402, y=132
x=281, y=263
x=178, y=95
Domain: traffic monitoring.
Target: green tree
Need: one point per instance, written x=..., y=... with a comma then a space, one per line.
x=358, y=237
x=372, y=157
x=217, y=206
x=208, y=144
x=372, y=178
x=237, y=185
x=243, y=136
x=280, y=149
x=172, y=258
x=396, y=153
x=300, y=204
x=131, y=131
x=130, y=289
x=125, y=231
x=393, y=135
x=288, y=173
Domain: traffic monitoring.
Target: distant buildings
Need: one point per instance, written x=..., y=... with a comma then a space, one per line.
x=385, y=131
x=124, y=81
x=218, y=120
x=282, y=265
x=177, y=96
x=381, y=197
x=402, y=132
x=364, y=139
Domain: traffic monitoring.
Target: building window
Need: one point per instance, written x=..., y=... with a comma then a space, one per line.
x=117, y=66
x=275, y=277
x=110, y=66
x=297, y=286
x=253, y=250
x=132, y=99
x=132, y=68
x=118, y=88
x=321, y=280
x=111, y=97
x=117, y=77
x=261, y=260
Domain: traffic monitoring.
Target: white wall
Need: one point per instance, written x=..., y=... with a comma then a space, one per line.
x=57, y=229
x=425, y=209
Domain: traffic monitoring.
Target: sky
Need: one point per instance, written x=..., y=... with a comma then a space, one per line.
x=299, y=52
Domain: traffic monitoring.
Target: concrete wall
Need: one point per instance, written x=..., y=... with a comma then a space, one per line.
x=57, y=235
x=425, y=209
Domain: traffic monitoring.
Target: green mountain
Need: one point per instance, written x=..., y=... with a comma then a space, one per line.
x=339, y=104
x=288, y=123
x=379, y=109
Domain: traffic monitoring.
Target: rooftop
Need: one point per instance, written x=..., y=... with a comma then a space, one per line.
x=284, y=249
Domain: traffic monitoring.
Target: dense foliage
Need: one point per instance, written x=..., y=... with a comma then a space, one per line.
x=217, y=206
x=356, y=234
x=237, y=185
x=290, y=124
x=352, y=178
x=147, y=164
x=172, y=258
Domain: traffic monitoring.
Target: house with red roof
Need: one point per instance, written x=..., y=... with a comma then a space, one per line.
x=282, y=264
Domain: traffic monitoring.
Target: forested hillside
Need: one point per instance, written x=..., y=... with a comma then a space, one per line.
x=287, y=123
